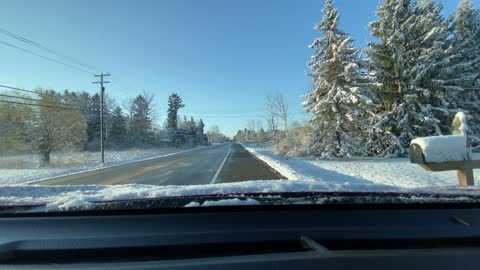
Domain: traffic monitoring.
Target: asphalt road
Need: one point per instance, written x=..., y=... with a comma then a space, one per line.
x=217, y=164
x=241, y=165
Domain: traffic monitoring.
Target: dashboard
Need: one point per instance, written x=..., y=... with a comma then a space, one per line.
x=381, y=237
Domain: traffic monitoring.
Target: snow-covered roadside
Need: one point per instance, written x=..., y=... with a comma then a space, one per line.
x=369, y=172
x=77, y=162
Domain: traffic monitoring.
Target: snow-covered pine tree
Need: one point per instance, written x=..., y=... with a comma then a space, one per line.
x=191, y=128
x=460, y=74
x=142, y=121
x=177, y=137
x=340, y=99
x=406, y=59
x=174, y=104
x=462, y=63
x=118, y=129
x=428, y=46
x=201, y=136
x=93, y=120
x=387, y=63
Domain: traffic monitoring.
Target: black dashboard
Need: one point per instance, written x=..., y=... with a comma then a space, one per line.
x=381, y=237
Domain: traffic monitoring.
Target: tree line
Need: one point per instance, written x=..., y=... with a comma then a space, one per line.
x=420, y=70
x=63, y=121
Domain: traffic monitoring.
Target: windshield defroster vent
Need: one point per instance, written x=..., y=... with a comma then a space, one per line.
x=28, y=251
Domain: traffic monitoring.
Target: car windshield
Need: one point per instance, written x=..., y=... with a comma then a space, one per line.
x=218, y=103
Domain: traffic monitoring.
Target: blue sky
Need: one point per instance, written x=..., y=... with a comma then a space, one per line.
x=223, y=57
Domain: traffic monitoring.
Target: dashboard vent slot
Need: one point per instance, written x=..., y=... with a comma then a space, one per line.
x=399, y=244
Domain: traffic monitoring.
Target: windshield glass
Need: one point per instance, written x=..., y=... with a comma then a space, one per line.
x=219, y=103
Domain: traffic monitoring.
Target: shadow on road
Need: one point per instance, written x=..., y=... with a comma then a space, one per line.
x=241, y=165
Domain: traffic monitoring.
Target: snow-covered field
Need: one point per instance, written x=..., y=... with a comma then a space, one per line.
x=21, y=169
x=359, y=173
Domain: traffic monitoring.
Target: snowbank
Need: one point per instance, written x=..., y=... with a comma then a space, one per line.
x=368, y=174
x=438, y=149
x=20, y=169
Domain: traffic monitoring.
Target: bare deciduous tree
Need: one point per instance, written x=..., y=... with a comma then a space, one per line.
x=277, y=108
x=47, y=129
x=215, y=136
x=259, y=124
x=251, y=125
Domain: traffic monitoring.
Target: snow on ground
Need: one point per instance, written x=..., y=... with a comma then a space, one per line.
x=21, y=169
x=369, y=173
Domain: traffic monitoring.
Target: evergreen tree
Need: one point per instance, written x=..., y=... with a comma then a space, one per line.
x=174, y=104
x=118, y=129
x=462, y=64
x=427, y=46
x=406, y=60
x=191, y=132
x=340, y=99
x=93, y=119
x=460, y=78
x=201, y=136
x=388, y=64
x=90, y=106
x=141, y=121
x=177, y=138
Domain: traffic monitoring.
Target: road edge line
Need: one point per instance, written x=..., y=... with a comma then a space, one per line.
x=214, y=179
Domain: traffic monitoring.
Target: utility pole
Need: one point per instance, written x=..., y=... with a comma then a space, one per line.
x=102, y=114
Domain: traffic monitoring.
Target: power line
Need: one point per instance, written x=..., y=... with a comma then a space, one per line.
x=123, y=84
x=116, y=85
x=57, y=53
x=18, y=89
x=40, y=100
x=86, y=112
x=42, y=105
x=48, y=112
x=45, y=57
